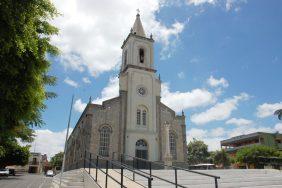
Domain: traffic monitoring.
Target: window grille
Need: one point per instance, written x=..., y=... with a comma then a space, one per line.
x=104, y=141
x=144, y=118
x=172, y=143
x=138, y=117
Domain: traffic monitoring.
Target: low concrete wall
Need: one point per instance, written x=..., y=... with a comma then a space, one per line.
x=89, y=181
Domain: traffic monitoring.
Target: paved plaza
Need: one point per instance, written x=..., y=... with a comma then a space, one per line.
x=231, y=178
x=26, y=181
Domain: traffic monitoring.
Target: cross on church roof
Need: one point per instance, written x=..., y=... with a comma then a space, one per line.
x=138, y=11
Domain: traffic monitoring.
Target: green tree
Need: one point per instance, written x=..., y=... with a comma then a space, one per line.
x=24, y=45
x=197, y=152
x=14, y=154
x=57, y=160
x=221, y=158
x=249, y=155
x=278, y=113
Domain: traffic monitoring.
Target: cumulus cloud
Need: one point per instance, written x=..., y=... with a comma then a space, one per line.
x=184, y=100
x=200, y=2
x=216, y=132
x=49, y=142
x=86, y=80
x=70, y=82
x=213, y=82
x=239, y=121
x=219, y=111
x=248, y=130
x=278, y=127
x=181, y=75
x=79, y=106
x=267, y=109
x=91, y=32
x=110, y=91
x=213, y=141
x=235, y=4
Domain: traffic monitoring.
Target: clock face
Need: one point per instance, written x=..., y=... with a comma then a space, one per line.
x=141, y=91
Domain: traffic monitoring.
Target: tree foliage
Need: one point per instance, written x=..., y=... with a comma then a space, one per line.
x=13, y=154
x=221, y=158
x=197, y=152
x=57, y=160
x=249, y=155
x=24, y=44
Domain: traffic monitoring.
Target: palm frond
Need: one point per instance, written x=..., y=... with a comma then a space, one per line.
x=278, y=113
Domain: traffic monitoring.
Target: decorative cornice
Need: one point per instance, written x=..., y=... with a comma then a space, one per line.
x=138, y=67
x=137, y=36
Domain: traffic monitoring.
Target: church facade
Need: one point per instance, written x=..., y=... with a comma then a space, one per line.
x=136, y=122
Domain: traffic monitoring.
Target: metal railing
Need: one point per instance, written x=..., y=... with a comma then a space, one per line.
x=97, y=161
x=139, y=164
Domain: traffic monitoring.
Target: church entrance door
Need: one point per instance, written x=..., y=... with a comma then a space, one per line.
x=141, y=151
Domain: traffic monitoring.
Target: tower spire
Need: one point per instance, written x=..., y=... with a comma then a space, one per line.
x=137, y=26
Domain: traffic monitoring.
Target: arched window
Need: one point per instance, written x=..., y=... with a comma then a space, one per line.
x=141, y=115
x=141, y=55
x=125, y=57
x=172, y=144
x=144, y=118
x=138, y=117
x=104, y=141
x=141, y=149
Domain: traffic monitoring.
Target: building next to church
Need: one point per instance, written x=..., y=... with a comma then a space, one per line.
x=136, y=122
x=232, y=145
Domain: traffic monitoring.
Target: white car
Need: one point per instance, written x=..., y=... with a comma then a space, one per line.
x=4, y=172
x=50, y=173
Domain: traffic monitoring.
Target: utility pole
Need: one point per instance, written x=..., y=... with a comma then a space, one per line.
x=67, y=135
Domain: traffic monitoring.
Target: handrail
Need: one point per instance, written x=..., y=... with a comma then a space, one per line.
x=112, y=162
x=122, y=156
x=174, y=167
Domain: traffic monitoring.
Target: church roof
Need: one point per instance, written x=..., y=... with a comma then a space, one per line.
x=137, y=27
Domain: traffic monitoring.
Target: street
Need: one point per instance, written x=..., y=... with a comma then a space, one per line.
x=26, y=181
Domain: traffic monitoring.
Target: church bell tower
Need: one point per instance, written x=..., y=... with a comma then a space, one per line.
x=138, y=79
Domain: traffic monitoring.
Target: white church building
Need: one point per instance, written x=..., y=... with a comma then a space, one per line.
x=136, y=122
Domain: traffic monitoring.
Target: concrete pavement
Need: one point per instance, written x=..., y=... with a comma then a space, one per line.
x=26, y=181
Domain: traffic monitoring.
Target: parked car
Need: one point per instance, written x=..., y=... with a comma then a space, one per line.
x=4, y=172
x=12, y=172
x=50, y=173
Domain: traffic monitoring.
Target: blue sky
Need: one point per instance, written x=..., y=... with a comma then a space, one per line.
x=219, y=60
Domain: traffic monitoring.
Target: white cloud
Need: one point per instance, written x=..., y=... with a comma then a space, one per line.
x=200, y=2
x=213, y=141
x=234, y=4
x=183, y=100
x=181, y=75
x=213, y=82
x=49, y=142
x=70, y=82
x=79, y=106
x=86, y=80
x=91, y=32
x=278, y=127
x=110, y=91
x=267, y=109
x=239, y=121
x=219, y=131
x=248, y=130
x=220, y=111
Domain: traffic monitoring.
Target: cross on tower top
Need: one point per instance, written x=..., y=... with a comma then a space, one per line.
x=138, y=11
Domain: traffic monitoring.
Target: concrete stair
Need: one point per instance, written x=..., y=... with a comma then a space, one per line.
x=70, y=179
x=233, y=178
